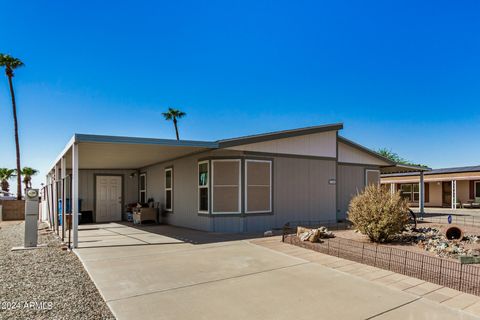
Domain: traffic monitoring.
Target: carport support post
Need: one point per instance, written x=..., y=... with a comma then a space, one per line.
x=75, y=194
x=55, y=198
x=63, y=184
x=454, y=194
x=422, y=195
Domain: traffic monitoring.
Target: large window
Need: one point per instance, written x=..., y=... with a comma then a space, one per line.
x=203, y=205
x=169, y=189
x=258, y=186
x=226, y=186
x=477, y=189
x=142, y=188
x=410, y=191
x=372, y=177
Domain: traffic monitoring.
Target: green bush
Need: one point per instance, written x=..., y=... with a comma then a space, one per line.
x=378, y=213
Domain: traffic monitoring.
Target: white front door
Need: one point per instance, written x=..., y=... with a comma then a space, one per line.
x=109, y=198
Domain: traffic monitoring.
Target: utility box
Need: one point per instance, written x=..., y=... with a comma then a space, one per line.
x=31, y=217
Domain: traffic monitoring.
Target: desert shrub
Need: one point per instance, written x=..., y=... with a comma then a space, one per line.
x=378, y=213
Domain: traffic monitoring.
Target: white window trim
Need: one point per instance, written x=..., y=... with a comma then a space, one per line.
x=203, y=187
x=246, y=186
x=139, y=186
x=239, y=185
x=475, y=189
x=168, y=189
x=366, y=175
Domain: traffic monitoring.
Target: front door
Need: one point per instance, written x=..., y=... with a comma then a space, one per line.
x=108, y=199
x=447, y=194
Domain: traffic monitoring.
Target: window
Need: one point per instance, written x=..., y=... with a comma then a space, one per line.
x=203, y=205
x=258, y=186
x=169, y=189
x=142, y=188
x=477, y=189
x=410, y=191
x=372, y=177
x=226, y=186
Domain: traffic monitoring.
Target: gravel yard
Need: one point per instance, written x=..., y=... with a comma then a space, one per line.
x=405, y=243
x=45, y=283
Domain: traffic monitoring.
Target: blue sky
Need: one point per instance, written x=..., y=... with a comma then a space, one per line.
x=403, y=75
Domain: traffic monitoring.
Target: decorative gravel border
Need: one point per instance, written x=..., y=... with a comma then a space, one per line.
x=44, y=283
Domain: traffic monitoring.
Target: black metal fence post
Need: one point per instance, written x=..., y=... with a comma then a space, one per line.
x=363, y=250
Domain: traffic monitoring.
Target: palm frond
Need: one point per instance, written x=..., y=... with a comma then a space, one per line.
x=9, y=61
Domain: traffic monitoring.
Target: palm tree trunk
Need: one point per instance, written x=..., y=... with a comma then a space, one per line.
x=176, y=129
x=17, y=143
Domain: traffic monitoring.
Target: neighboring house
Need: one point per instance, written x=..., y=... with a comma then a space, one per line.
x=447, y=187
x=247, y=184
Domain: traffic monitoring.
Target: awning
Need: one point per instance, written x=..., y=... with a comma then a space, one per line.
x=403, y=168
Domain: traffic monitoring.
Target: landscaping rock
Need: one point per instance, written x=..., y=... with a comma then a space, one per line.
x=45, y=283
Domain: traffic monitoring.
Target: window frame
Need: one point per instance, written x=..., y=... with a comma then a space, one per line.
x=168, y=189
x=207, y=186
x=270, y=162
x=144, y=174
x=239, y=161
x=476, y=189
x=411, y=193
x=366, y=175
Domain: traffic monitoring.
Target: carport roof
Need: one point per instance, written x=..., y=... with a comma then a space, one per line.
x=118, y=152
x=114, y=152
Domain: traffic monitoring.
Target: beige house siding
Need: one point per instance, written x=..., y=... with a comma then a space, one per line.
x=435, y=194
x=321, y=144
x=349, y=154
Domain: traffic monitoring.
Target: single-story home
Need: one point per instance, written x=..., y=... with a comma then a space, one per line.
x=448, y=187
x=246, y=184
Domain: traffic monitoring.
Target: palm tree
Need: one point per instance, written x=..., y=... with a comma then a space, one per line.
x=27, y=174
x=5, y=175
x=10, y=63
x=174, y=114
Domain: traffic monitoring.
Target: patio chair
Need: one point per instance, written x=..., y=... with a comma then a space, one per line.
x=145, y=214
x=476, y=204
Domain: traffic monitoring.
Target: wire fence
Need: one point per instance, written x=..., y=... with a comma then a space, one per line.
x=461, y=220
x=444, y=272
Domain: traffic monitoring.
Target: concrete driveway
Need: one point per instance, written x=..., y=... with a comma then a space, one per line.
x=162, y=272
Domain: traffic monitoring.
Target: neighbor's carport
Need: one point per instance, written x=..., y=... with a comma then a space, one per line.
x=402, y=168
x=104, y=153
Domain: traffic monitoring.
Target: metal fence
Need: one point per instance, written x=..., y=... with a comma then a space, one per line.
x=461, y=220
x=444, y=272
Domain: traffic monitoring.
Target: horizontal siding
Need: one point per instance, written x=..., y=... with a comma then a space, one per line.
x=301, y=193
x=185, y=186
x=351, y=181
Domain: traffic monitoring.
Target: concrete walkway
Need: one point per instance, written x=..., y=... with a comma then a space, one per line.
x=173, y=273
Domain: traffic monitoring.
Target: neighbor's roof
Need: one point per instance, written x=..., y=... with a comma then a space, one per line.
x=278, y=135
x=439, y=171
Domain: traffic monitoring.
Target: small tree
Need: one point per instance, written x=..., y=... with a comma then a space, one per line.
x=5, y=175
x=27, y=174
x=378, y=213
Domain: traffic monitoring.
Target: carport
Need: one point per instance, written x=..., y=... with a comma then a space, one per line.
x=104, y=154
